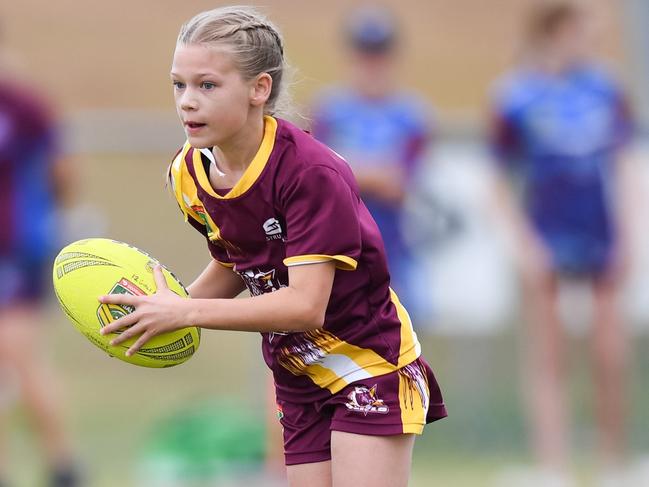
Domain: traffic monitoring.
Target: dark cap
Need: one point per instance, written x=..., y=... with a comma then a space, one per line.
x=371, y=29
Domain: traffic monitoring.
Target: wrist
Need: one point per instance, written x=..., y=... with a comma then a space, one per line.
x=194, y=312
x=189, y=314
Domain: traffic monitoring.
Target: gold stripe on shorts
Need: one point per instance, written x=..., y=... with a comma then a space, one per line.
x=414, y=398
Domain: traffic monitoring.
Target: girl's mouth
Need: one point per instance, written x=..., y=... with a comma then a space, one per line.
x=193, y=127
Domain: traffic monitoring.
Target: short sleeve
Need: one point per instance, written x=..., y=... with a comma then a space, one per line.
x=623, y=120
x=217, y=252
x=503, y=138
x=419, y=138
x=322, y=219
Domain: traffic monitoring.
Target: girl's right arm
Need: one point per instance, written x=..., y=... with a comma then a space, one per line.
x=216, y=281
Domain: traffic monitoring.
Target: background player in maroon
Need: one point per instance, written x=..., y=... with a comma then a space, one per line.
x=282, y=211
x=35, y=182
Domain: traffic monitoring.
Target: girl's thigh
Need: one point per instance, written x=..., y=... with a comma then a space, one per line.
x=309, y=474
x=377, y=461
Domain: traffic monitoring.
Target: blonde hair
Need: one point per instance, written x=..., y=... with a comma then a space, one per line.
x=253, y=40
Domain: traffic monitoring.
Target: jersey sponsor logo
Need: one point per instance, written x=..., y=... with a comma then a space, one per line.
x=273, y=229
x=365, y=400
x=581, y=135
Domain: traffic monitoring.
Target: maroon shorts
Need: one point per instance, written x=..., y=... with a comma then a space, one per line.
x=393, y=404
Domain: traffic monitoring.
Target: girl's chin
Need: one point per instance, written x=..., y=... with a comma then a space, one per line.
x=200, y=142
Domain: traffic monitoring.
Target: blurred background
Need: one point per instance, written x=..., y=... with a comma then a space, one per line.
x=104, y=67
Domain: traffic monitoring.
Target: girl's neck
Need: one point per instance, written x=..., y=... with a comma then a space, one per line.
x=555, y=62
x=235, y=155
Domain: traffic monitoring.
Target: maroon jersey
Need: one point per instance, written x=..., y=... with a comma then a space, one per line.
x=298, y=203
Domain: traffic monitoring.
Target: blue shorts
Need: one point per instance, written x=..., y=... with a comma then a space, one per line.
x=22, y=281
x=575, y=255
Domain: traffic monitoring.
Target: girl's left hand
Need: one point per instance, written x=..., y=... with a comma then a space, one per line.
x=155, y=314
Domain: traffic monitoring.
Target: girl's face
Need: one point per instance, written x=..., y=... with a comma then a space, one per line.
x=575, y=38
x=212, y=99
x=374, y=73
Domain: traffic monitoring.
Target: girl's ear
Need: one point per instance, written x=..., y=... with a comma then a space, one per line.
x=260, y=89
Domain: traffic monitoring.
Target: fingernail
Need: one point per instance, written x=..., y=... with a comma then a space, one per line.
x=112, y=342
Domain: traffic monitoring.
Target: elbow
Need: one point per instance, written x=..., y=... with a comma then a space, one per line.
x=315, y=323
x=311, y=318
x=304, y=311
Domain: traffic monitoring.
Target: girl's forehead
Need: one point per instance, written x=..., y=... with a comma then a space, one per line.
x=202, y=56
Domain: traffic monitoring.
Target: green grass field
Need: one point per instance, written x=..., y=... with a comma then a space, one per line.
x=113, y=408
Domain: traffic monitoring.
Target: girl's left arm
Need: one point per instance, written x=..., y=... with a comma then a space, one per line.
x=300, y=306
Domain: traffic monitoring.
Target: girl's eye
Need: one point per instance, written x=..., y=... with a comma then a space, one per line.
x=178, y=85
x=207, y=85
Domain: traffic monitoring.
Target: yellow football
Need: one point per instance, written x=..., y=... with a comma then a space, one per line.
x=87, y=269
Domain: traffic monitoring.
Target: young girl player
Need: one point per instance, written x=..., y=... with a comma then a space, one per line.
x=283, y=218
x=560, y=127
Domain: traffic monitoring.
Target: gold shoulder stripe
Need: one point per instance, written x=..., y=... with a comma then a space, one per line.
x=186, y=192
x=183, y=186
x=253, y=171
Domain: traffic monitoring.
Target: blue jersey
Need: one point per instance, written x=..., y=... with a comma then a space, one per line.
x=370, y=132
x=27, y=153
x=561, y=134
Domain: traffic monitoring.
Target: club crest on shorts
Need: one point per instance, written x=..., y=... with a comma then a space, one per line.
x=364, y=400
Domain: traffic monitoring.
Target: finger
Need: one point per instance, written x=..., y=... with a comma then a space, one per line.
x=138, y=343
x=160, y=281
x=126, y=299
x=132, y=332
x=123, y=322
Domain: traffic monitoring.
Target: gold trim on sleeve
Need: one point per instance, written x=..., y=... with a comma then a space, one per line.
x=342, y=261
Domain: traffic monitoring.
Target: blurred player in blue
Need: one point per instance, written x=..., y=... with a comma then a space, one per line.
x=559, y=124
x=383, y=133
x=34, y=180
